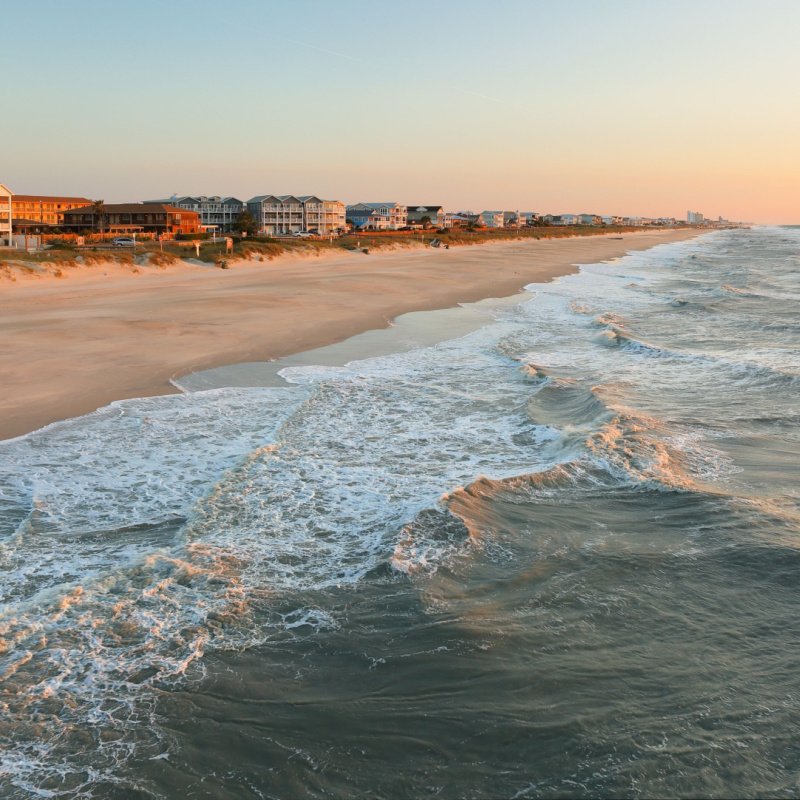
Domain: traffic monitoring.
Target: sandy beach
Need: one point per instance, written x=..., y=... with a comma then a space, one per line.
x=76, y=343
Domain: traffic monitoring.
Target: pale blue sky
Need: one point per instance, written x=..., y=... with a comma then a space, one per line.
x=614, y=107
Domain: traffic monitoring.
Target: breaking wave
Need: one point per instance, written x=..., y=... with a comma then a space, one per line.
x=137, y=539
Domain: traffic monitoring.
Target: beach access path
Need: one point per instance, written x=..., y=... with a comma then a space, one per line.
x=76, y=343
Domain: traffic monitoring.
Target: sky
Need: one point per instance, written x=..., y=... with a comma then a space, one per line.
x=615, y=107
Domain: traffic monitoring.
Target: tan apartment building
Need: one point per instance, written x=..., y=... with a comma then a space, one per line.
x=45, y=209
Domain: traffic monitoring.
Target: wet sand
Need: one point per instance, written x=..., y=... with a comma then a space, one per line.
x=74, y=344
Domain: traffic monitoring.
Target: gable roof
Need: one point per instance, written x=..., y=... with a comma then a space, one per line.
x=281, y=198
x=197, y=200
x=391, y=204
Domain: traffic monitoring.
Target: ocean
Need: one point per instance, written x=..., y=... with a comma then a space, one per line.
x=545, y=546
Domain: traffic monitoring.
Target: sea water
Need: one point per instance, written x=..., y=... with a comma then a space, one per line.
x=556, y=555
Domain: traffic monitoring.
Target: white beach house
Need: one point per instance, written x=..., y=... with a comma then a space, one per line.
x=286, y=214
x=493, y=219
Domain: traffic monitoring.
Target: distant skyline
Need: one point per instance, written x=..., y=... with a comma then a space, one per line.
x=615, y=108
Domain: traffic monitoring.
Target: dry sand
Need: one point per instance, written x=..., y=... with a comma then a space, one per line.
x=74, y=344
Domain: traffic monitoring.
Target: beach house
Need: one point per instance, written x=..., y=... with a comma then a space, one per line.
x=286, y=214
x=458, y=220
x=416, y=214
x=324, y=216
x=377, y=216
x=216, y=212
x=364, y=218
x=493, y=219
x=5, y=215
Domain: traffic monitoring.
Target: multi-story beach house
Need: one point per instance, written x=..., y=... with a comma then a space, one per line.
x=287, y=214
x=325, y=216
x=589, y=219
x=129, y=218
x=5, y=214
x=216, y=212
x=493, y=219
x=378, y=216
x=44, y=209
x=416, y=214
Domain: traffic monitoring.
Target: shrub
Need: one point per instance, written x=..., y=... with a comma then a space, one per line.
x=187, y=237
x=61, y=244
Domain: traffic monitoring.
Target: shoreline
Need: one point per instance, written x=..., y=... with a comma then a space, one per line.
x=75, y=345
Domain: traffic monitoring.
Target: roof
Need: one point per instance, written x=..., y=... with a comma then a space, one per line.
x=46, y=198
x=5, y=191
x=424, y=208
x=366, y=212
x=21, y=222
x=283, y=198
x=391, y=204
x=133, y=208
x=196, y=199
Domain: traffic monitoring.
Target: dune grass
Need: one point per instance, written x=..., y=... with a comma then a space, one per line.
x=64, y=255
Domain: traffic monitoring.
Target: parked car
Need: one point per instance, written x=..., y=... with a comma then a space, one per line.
x=305, y=234
x=123, y=241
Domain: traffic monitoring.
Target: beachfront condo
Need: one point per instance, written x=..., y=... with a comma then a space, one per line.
x=216, y=212
x=133, y=218
x=378, y=216
x=280, y=215
x=44, y=210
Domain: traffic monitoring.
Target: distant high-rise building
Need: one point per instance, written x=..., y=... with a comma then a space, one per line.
x=694, y=218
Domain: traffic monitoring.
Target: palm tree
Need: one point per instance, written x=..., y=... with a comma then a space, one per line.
x=99, y=212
